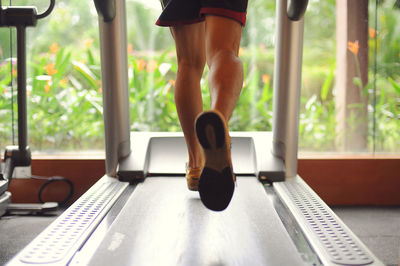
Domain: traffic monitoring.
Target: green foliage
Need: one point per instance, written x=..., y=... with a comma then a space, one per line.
x=151, y=92
x=317, y=125
x=65, y=107
x=387, y=115
x=388, y=40
x=65, y=94
x=6, y=95
x=254, y=109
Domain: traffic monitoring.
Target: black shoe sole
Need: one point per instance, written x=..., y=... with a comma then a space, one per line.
x=216, y=184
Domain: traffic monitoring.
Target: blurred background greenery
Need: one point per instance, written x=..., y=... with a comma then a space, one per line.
x=64, y=77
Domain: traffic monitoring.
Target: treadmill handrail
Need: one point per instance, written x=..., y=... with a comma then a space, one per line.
x=296, y=9
x=105, y=9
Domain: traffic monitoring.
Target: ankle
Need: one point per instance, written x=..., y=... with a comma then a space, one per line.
x=196, y=161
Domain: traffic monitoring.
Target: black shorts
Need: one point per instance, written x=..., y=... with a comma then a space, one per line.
x=179, y=12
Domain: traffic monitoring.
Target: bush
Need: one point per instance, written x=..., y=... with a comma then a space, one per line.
x=65, y=95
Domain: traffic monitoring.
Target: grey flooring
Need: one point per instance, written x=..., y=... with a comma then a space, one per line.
x=377, y=227
x=16, y=231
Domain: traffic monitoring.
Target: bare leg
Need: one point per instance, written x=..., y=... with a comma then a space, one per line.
x=226, y=70
x=190, y=49
x=219, y=39
x=217, y=181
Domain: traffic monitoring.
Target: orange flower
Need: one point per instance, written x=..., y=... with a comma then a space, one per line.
x=47, y=87
x=266, y=78
x=88, y=43
x=14, y=72
x=64, y=82
x=353, y=47
x=141, y=64
x=50, y=69
x=151, y=66
x=172, y=82
x=54, y=48
x=372, y=33
x=130, y=48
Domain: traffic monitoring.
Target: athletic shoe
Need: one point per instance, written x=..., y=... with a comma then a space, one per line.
x=192, y=177
x=217, y=181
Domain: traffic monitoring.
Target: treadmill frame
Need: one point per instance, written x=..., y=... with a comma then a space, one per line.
x=302, y=212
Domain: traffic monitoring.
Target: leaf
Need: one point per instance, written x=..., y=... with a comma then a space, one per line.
x=395, y=85
x=43, y=77
x=62, y=65
x=327, y=83
x=86, y=73
x=59, y=56
x=357, y=81
x=90, y=57
x=310, y=102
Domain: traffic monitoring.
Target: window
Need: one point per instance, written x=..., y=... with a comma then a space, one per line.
x=64, y=77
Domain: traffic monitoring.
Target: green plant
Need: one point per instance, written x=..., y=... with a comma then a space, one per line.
x=254, y=109
x=64, y=101
x=65, y=94
x=387, y=115
x=6, y=97
x=317, y=125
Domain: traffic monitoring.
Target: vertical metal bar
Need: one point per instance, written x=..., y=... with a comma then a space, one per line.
x=114, y=70
x=287, y=83
x=21, y=79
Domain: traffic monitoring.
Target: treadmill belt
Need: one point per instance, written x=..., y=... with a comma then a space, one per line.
x=163, y=223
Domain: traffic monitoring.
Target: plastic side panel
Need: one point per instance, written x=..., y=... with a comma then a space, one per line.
x=268, y=166
x=135, y=166
x=169, y=155
x=165, y=153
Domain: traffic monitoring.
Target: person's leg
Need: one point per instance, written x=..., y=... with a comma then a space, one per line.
x=217, y=181
x=190, y=49
x=226, y=70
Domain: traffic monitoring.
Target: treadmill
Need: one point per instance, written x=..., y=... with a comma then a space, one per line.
x=141, y=212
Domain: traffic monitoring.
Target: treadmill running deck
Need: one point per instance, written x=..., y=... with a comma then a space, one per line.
x=163, y=223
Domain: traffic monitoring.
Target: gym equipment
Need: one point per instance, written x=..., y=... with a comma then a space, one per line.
x=15, y=156
x=141, y=213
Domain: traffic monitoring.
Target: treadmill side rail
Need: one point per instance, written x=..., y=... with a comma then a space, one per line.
x=5, y=199
x=331, y=239
x=58, y=243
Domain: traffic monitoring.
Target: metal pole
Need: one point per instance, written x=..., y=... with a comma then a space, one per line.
x=114, y=68
x=287, y=83
x=21, y=79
